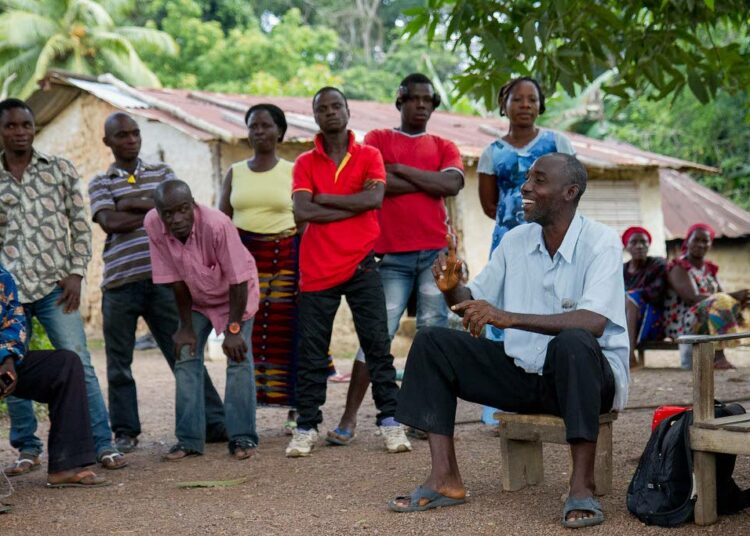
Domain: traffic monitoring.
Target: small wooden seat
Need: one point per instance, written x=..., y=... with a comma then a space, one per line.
x=709, y=435
x=521, y=439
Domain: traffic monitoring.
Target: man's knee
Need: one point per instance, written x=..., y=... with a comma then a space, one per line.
x=572, y=344
x=68, y=363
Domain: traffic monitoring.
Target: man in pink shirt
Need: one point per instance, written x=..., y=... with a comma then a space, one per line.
x=198, y=251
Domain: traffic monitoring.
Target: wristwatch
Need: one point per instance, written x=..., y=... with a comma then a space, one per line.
x=233, y=328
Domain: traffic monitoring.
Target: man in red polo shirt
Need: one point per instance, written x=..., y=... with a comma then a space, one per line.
x=422, y=169
x=337, y=188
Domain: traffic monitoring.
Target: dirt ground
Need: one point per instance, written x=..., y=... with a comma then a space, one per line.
x=343, y=490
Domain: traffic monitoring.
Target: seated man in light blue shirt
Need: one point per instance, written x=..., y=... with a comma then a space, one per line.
x=555, y=286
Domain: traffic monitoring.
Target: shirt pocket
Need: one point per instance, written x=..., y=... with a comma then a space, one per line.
x=209, y=282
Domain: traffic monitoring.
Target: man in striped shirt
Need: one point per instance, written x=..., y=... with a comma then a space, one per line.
x=120, y=198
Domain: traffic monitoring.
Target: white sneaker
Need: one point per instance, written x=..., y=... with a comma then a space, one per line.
x=395, y=439
x=302, y=443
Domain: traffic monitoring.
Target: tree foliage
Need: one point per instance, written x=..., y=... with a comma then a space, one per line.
x=77, y=35
x=658, y=47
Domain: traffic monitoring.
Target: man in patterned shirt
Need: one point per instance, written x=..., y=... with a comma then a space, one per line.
x=45, y=243
x=120, y=198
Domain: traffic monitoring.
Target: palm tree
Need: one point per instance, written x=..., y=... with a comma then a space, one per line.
x=80, y=36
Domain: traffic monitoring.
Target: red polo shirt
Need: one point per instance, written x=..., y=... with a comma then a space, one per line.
x=415, y=221
x=330, y=252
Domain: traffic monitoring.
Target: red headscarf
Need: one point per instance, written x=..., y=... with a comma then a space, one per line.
x=712, y=268
x=695, y=227
x=630, y=231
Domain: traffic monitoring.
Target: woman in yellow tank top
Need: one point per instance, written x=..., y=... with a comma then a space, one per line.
x=257, y=195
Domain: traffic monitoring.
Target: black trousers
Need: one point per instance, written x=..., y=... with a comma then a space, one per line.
x=577, y=383
x=365, y=296
x=56, y=378
x=121, y=308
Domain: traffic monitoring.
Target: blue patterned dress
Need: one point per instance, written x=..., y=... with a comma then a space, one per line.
x=509, y=165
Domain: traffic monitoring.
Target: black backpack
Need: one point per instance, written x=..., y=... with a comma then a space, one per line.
x=661, y=491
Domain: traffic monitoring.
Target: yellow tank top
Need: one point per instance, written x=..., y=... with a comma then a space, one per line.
x=262, y=202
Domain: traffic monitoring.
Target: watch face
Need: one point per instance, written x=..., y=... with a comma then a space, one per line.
x=234, y=328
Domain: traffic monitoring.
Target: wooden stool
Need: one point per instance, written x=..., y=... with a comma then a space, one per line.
x=710, y=435
x=521, y=438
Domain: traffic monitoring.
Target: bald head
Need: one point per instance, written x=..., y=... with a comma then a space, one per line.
x=123, y=136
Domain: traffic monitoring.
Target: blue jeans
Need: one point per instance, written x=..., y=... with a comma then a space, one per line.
x=121, y=308
x=239, y=396
x=400, y=272
x=65, y=332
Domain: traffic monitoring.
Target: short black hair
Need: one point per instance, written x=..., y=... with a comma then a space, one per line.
x=326, y=89
x=276, y=113
x=505, y=91
x=415, y=78
x=170, y=186
x=11, y=103
x=575, y=171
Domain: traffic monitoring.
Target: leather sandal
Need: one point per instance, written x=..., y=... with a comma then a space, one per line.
x=178, y=452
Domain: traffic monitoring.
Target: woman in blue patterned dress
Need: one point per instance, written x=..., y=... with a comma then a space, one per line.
x=503, y=165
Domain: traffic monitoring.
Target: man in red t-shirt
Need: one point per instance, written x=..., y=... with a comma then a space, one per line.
x=422, y=169
x=336, y=190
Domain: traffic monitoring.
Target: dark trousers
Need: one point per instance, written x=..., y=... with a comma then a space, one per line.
x=121, y=307
x=55, y=377
x=576, y=384
x=364, y=294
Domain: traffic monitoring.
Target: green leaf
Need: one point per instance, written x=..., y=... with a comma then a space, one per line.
x=529, y=33
x=697, y=86
x=710, y=4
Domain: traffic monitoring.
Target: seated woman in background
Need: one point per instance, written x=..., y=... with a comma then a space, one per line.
x=645, y=282
x=695, y=303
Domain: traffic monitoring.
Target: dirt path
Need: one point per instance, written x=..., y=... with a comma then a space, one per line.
x=341, y=490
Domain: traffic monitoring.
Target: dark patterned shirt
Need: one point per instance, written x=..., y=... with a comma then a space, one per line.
x=651, y=280
x=12, y=320
x=44, y=229
x=126, y=255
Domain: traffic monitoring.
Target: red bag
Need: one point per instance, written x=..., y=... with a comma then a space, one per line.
x=662, y=412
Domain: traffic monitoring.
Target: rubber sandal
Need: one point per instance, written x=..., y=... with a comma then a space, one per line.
x=25, y=463
x=112, y=460
x=340, y=378
x=585, y=504
x=340, y=437
x=84, y=479
x=434, y=500
x=178, y=452
x=241, y=449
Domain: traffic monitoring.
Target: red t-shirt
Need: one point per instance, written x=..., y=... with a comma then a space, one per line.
x=416, y=221
x=330, y=252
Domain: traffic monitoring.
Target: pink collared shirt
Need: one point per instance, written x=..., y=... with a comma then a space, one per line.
x=212, y=258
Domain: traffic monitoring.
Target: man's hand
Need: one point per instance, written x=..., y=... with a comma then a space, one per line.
x=478, y=313
x=447, y=269
x=234, y=347
x=185, y=336
x=71, y=293
x=8, y=369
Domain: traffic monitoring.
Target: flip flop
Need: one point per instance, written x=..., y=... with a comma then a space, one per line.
x=24, y=464
x=435, y=500
x=84, y=479
x=585, y=504
x=340, y=378
x=4, y=508
x=340, y=437
x=112, y=461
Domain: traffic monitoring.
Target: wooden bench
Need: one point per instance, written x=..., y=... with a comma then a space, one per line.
x=521, y=439
x=709, y=435
x=654, y=345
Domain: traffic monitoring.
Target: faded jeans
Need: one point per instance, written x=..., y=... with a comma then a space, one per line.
x=400, y=272
x=65, y=332
x=190, y=400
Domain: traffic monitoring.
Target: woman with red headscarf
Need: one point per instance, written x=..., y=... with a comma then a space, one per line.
x=695, y=302
x=645, y=283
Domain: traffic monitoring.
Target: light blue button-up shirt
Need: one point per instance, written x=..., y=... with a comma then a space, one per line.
x=584, y=273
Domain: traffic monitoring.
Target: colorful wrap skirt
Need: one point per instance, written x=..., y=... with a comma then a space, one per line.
x=651, y=326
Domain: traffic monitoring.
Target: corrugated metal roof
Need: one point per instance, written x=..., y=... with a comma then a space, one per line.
x=225, y=113
x=685, y=202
